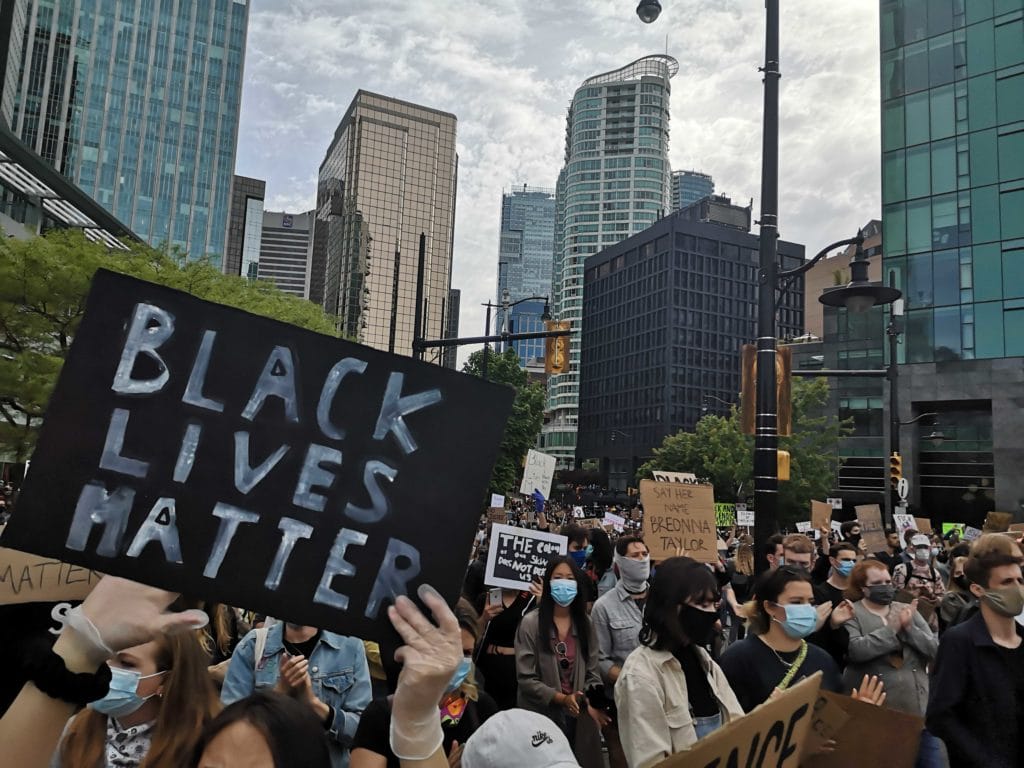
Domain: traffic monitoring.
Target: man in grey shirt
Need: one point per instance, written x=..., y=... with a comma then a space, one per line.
x=617, y=616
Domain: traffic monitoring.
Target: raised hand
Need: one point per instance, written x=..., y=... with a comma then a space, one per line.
x=841, y=614
x=872, y=691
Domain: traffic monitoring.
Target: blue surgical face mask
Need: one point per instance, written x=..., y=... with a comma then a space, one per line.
x=123, y=698
x=845, y=567
x=579, y=557
x=461, y=673
x=800, y=620
x=563, y=591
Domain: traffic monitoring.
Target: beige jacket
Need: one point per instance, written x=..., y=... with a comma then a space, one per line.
x=654, y=708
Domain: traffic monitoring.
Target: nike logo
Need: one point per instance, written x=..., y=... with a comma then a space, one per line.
x=541, y=738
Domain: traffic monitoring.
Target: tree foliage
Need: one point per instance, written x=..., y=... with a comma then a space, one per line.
x=44, y=282
x=718, y=451
x=523, y=425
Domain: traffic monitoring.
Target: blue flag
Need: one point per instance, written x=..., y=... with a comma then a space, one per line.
x=538, y=500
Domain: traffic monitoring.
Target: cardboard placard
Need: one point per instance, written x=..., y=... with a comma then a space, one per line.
x=745, y=517
x=725, y=515
x=538, y=472
x=773, y=734
x=997, y=522
x=871, y=532
x=678, y=516
x=904, y=523
x=497, y=515
x=923, y=525
x=497, y=500
x=208, y=451
x=1016, y=527
x=864, y=734
x=26, y=578
x=821, y=514
x=518, y=554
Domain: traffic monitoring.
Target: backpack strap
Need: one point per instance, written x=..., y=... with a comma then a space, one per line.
x=261, y=644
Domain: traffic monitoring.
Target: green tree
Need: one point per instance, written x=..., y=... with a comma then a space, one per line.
x=44, y=282
x=523, y=425
x=718, y=451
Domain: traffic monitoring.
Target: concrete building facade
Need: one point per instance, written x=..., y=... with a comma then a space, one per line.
x=286, y=250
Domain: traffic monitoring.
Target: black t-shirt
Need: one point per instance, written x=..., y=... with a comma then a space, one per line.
x=753, y=670
x=304, y=649
x=374, y=732
x=501, y=630
x=826, y=593
x=702, y=701
x=1014, y=658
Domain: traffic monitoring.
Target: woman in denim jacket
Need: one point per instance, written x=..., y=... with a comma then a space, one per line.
x=327, y=671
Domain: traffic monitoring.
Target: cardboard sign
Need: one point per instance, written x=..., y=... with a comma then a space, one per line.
x=997, y=522
x=678, y=516
x=923, y=524
x=204, y=450
x=725, y=515
x=675, y=477
x=745, y=517
x=538, y=473
x=871, y=532
x=497, y=515
x=1016, y=527
x=27, y=578
x=773, y=734
x=971, y=533
x=518, y=554
x=821, y=514
x=497, y=500
x=904, y=523
x=864, y=734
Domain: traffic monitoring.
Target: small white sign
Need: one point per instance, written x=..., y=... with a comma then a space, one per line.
x=903, y=488
x=970, y=534
x=538, y=473
x=837, y=526
x=614, y=520
x=744, y=517
x=578, y=513
x=904, y=522
x=517, y=555
x=836, y=503
x=497, y=501
x=804, y=526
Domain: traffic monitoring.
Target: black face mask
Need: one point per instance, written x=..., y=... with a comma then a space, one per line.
x=698, y=625
x=962, y=582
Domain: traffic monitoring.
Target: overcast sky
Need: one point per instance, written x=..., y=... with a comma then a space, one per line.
x=508, y=68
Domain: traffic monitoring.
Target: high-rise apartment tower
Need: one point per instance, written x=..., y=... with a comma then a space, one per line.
x=615, y=183
x=690, y=186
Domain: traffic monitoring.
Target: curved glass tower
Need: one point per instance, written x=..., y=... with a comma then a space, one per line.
x=615, y=183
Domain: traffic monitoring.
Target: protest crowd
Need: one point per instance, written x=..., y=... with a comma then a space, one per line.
x=605, y=657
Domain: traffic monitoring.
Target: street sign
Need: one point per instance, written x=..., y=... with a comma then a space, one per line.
x=903, y=488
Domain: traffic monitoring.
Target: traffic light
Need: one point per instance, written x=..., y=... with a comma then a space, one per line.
x=895, y=470
x=556, y=351
x=782, y=465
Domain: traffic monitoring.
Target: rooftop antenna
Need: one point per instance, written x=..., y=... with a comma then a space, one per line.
x=666, y=45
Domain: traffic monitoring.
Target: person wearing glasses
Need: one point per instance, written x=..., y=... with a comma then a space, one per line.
x=670, y=692
x=557, y=661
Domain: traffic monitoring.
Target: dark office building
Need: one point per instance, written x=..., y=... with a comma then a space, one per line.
x=451, y=327
x=664, y=315
x=245, y=224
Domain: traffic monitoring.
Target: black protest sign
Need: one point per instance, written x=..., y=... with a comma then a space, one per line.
x=516, y=555
x=209, y=451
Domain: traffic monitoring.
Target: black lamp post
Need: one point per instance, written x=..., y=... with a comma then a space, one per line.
x=504, y=331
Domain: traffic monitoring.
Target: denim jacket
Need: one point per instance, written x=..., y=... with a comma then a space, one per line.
x=337, y=668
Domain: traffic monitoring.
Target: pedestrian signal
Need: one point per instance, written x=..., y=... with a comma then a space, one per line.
x=782, y=466
x=895, y=469
x=556, y=350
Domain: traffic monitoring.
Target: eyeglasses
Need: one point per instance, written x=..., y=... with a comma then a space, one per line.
x=563, y=660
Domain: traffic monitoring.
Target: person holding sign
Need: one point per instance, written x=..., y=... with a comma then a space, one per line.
x=976, y=697
x=326, y=671
x=556, y=660
x=670, y=692
x=893, y=641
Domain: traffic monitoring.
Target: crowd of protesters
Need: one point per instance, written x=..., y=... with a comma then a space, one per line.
x=608, y=659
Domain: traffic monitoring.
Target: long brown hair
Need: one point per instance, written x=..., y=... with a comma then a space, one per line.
x=745, y=557
x=189, y=702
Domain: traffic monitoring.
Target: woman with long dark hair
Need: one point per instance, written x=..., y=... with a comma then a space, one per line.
x=670, y=692
x=599, y=559
x=556, y=660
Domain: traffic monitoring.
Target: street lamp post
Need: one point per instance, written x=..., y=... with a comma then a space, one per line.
x=504, y=331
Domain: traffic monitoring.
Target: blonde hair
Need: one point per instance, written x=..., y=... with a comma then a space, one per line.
x=188, y=703
x=797, y=542
x=745, y=559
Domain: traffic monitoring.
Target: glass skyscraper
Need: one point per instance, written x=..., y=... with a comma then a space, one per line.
x=690, y=186
x=137, y=102
x=615, y=182
x=388, y=175
x=953, y=216
x=525, y=249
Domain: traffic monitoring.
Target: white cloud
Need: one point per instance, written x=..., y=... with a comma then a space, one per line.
x=508, y=68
